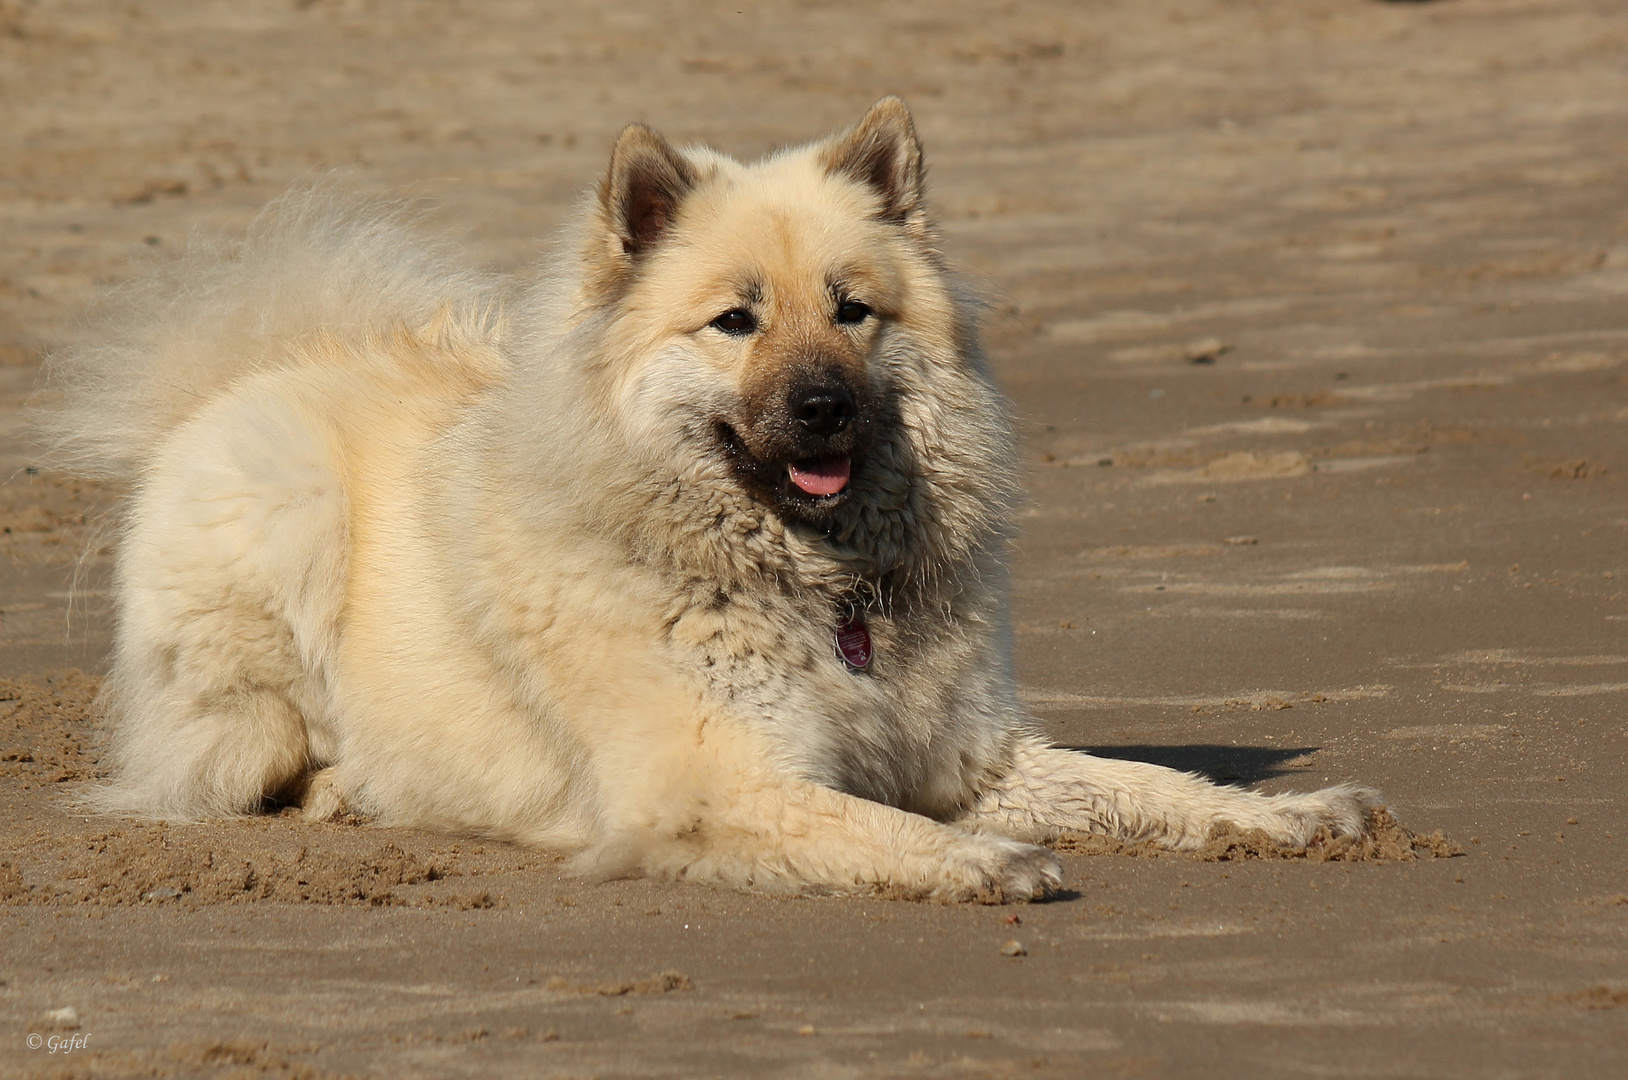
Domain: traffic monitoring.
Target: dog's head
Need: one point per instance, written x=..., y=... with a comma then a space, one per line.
x=770, y=317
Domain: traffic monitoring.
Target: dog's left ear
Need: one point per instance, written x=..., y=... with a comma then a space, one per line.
x=882, y=151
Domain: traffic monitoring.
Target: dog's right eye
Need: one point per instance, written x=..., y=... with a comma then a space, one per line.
x=735, y=323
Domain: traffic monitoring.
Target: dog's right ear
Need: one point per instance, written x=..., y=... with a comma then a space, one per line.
x=640, y=195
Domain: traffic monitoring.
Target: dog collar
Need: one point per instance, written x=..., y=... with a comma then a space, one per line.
x=853, y=640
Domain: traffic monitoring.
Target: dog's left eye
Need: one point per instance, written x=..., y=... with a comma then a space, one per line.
x=850, y=312
x=736, y=322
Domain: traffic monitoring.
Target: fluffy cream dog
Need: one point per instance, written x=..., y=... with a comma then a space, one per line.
x=689, y=558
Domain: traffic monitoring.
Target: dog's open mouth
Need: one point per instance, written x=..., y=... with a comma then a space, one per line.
x=805, y=487
x=821, y=477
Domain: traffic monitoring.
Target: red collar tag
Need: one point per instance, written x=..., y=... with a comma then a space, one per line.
x=854, y=643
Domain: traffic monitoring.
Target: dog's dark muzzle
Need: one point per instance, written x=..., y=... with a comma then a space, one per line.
x=802, y=453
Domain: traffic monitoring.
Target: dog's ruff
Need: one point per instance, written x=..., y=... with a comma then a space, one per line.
x=523, y=561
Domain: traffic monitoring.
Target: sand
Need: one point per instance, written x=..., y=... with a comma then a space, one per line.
x=1313, y=315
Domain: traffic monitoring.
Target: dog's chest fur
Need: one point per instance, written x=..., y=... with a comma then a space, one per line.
x=774, y=661
x=758, y=647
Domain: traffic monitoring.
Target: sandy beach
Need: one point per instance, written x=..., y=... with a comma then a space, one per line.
x=1314, y=317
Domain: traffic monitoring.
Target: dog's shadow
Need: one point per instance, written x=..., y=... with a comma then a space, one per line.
x=1222, y=764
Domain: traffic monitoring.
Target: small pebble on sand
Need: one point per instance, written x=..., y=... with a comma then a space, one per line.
x=65, y=1017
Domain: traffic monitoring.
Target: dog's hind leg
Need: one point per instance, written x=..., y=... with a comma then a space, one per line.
x=324, y=796
x=230, y=579
x=188, y=752
x=1048, y=791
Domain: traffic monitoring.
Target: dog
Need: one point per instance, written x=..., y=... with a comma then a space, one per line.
x=686, y=556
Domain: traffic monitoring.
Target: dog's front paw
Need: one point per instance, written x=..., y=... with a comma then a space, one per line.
x=989, y=869
x=1342, y=811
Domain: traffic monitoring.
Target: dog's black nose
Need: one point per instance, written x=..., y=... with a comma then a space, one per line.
x=823, y=410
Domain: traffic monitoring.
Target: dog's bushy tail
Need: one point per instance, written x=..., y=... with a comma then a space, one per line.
x=317, y=260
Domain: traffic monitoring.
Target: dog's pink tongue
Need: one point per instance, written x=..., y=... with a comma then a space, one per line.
x=821, y=476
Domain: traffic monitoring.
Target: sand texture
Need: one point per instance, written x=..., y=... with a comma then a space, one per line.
x=1315, y=317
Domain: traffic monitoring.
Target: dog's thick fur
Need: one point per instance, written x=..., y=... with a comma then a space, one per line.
x=524, y=561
